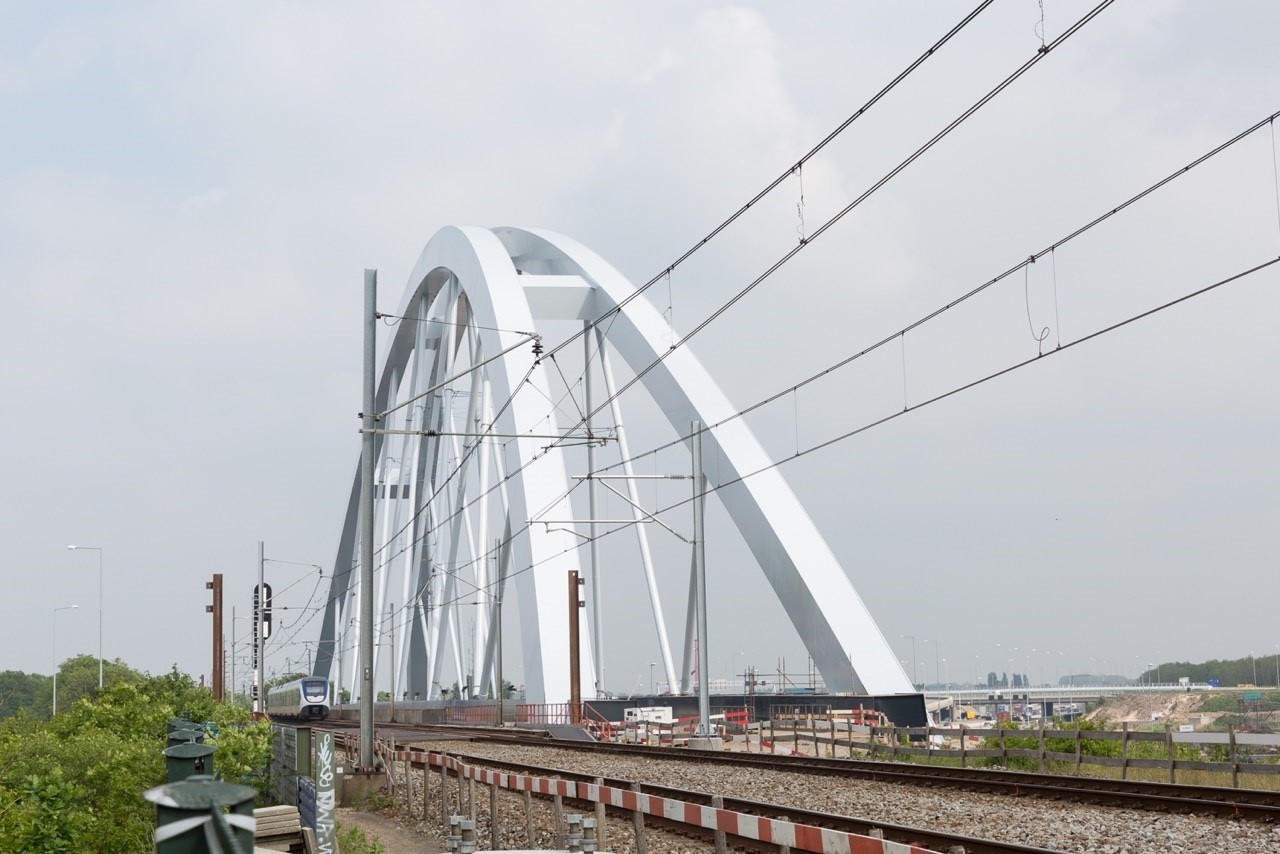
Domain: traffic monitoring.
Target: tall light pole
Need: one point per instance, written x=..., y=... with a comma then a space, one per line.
x=55, y=653
x=652, y=664
x=914, y=676
x=937, y=655
x=97, y=549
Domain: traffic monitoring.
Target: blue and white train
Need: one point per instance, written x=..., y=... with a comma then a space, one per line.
x=306, y=699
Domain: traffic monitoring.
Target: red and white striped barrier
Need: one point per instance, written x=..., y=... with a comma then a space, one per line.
x=799, y=837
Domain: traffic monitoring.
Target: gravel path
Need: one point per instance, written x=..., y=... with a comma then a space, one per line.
x=1048, y=824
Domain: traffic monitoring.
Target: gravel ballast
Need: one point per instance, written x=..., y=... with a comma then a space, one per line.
x=1029, y=821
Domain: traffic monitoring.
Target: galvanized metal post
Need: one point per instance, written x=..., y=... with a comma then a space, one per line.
x=700, y=571
x=366, y=518
x=391, y=656
x=597, y=636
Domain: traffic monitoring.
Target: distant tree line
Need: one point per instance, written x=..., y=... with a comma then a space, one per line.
x=1250, y=670
x=1020, y=680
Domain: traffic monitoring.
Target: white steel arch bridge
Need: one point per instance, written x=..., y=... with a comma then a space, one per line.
x=464, y=462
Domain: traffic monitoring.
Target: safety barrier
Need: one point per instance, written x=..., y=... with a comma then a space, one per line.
x=796, y=836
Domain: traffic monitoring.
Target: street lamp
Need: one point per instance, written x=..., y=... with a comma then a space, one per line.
x=652, y=664
x=914, y=676
x=937, y=673
x=97, y=549
x=55, y=653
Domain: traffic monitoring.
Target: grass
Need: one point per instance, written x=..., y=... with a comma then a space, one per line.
x=353, y=840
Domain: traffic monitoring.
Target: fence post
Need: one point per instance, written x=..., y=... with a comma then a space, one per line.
x=773, y=737
x=637, y=818
x=1168, y=737
x=1078, y=756
x=831, y=730
x=1042, y=744
x=600, y=815
x=471, y=798
x=893, y=742
x=444, y=794
x=426, y=788
x=557, y=803
x=1124, y=754
x=813, y=729
x=1235, y=766
x=928, y=744
x=717, y=803
x=872, y=735
x=493, y=814
x=964, y=745
x=528, y=819
x=408, y=787
x=795, y=735
x=1004, y=754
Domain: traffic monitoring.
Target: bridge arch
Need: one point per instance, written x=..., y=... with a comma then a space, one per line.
x=470, y=467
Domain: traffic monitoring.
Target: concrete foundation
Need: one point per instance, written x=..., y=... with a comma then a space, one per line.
x=706, y=742
x=359, y=785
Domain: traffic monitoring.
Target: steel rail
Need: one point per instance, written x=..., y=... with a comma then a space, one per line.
x=1252, y=804
x=921, y=837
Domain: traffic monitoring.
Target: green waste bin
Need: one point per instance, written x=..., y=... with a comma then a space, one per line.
x=201, y=815
x=182, y=736
x=175, y=724
x=186, y=760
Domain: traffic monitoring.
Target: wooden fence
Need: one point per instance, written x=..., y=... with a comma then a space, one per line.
x=886, y=742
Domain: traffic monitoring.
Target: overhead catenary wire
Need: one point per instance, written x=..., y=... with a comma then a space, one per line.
x=1050, y=249
x=590, y=325
x=968, y=295
x=853, y=205
x=772, y=185
x=956, y=390
x=613, y=312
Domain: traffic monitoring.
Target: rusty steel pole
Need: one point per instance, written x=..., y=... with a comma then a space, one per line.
x=216, y=610
x=575, y=682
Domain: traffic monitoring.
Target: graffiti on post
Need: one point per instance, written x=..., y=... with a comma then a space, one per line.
x=325, y=796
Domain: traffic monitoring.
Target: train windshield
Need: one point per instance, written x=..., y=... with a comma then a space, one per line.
x=315, y=689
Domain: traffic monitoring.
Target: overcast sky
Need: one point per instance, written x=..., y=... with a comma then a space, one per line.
x=189, y=192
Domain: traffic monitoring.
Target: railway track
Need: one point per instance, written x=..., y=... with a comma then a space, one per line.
x=1178, y=798
x=914, y=836
x=919, y=838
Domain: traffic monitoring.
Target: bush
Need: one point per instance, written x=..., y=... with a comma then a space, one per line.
x=75, y=783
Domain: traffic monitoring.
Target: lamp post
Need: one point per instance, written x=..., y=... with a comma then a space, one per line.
x=97, y=549
x=652, y=664
x=55, y=653
x=937, y=656
x=914, y=676
x=1254, y=662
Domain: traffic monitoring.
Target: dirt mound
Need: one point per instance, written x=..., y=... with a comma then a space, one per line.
x=1172, y=707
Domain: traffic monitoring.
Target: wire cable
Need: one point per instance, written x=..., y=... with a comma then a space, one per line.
x=1008, y=369
x=772, y=185
x=795, y=250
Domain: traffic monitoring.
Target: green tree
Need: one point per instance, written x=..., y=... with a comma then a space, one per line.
x=74, y=783
x=30, y=691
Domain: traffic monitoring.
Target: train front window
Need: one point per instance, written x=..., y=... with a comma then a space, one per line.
x=314, y=689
